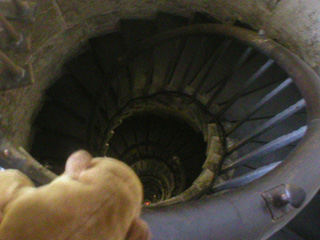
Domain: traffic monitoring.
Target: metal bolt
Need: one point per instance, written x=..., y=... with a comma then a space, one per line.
x=6, y=152
x=292, y=195
x=282, y=200
x=262, y=33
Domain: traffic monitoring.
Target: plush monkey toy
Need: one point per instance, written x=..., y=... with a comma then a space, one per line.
x=94, y=199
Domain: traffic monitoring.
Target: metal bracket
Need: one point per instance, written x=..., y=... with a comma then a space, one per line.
x=283, y=199
x=18, y=9
x=7, y=81
x=11, y=37
x=10, y=157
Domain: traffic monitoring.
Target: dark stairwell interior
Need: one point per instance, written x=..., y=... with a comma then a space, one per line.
x=193, y=116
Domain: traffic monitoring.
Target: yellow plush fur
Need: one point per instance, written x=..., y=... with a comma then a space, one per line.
x=95, y=199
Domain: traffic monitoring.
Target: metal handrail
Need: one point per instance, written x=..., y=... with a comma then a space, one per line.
x=248, y=212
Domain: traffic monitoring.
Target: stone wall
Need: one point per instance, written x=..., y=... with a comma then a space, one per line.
x=62, y=27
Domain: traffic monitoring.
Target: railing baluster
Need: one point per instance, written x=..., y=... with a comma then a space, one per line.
x=265, y=117
x=255, y=90
x=149, y=77
x=268, y=148
x=244, y=57
x=260, y=104
x=170, y=143
x=184, y=81
x=148, y=137
x=269, y=124
x=260, y=88
x=221, y=85
x=174, y=61
x=159, y=137
x=245, y=179
x=245, y=85
x=204, y=71
x=216, y=57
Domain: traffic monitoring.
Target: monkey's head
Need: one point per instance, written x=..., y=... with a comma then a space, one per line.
x=104, y=173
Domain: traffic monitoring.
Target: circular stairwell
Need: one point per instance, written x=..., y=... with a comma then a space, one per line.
x=199, y=112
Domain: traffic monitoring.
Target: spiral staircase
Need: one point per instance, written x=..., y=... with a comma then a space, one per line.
x=198, y=109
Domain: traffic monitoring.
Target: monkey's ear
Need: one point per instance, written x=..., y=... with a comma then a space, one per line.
x=139, y=230
x=77, y=162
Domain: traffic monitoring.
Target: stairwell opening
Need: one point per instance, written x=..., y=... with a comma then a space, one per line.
x=217, y=98
x=258, y=109
x=227, y=108
x=165, y=152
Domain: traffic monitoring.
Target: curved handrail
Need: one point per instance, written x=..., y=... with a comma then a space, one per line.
x=246, y=213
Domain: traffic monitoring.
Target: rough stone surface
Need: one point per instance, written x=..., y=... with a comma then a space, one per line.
x=62, y=27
